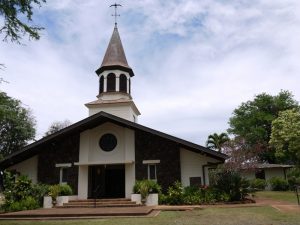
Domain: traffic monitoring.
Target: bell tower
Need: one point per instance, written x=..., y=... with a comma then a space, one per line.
x=115, y=75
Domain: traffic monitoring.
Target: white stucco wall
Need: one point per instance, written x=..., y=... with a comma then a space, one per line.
x=27, y=167
x=191, y=164
x=91, y=154
x=124, y=111
x=274, y=172
x=83, y=174
x=269, y=173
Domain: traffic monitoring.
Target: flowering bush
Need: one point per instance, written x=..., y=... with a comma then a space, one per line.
x=192, y=195
x=19, y=193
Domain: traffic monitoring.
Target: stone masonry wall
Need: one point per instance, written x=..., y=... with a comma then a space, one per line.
x=153, y=147
x=63, y=151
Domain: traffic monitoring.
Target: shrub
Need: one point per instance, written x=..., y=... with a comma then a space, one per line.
x=17, y=188
x=278, y=184
x=192, y=195
x=137, y=187
x=229, y=182
x=258, y=184
x=178, y=195
x=175, y=194
x=65, y=189
x=18, y=193
x=154, y=187
x=293, y=177
x=39, y=191
x=28, y=203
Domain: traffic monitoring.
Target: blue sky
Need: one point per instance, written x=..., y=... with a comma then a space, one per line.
x=194, y=61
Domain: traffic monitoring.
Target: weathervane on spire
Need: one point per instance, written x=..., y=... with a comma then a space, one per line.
x=116, y=14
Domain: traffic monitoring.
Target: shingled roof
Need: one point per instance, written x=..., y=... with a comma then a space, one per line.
x=94, y=121
x=114, y=57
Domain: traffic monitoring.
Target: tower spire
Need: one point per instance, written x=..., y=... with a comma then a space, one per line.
x=114, y=57
x=116, y=14
x=115, y=80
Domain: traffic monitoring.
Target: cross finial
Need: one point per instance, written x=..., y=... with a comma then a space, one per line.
x=116, y=14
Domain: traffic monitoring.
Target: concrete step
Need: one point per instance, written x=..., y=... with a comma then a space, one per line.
x=90, y=203
x=98, y=206
x=102, y=200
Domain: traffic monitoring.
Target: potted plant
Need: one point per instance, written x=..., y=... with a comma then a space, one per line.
x=53, y=193
x=136, y=195
x=153, y=190
x=63, y=196
x=47, y=203
x=146, y=192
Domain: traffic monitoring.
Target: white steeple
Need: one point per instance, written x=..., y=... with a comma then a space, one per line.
x=114, y=83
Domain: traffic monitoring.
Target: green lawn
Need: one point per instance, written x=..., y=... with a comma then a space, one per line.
x=211, y=216
x=287, y=196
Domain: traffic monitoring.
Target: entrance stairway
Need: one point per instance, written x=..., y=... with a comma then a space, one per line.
x=98, y=203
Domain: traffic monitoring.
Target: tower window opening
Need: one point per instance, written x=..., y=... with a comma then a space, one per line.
x=101, y=85
x=123, y=83
x=129, y=86
x=111, y=82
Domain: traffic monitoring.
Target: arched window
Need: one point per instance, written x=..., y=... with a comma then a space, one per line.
x=111, y=82
x=101, y=85
x=123, y=83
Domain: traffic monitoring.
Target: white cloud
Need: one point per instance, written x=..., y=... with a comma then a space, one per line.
x=195, y=61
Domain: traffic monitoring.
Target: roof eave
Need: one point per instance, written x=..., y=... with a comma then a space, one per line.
x=90, y=122
x=115, y=67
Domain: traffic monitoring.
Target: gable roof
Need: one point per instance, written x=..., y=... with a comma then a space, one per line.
x=91, y=122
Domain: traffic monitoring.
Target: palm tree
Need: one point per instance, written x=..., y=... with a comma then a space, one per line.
x=216, y=141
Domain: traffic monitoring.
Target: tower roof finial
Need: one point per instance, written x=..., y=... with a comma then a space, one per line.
x=116, y=14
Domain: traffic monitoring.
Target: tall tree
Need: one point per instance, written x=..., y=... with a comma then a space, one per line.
x=216, y=141
x=17, y=125
x=285, y=137
x=18, y=19
x=57, y=125
x=252, y=120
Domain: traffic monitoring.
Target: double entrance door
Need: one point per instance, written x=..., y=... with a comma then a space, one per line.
x=107, y=181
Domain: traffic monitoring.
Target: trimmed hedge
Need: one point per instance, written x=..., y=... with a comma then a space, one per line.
x=279, y=184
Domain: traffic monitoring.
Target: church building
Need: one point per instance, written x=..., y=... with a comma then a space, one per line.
x=104, y=154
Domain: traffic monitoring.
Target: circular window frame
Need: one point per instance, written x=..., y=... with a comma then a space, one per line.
x=108, y=147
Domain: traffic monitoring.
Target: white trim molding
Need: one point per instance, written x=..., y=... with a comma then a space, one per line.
x=63, y=165
x=103, y=163
x=151, y=161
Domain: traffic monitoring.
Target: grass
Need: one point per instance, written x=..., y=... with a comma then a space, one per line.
x=287, y=196
x=212, y=216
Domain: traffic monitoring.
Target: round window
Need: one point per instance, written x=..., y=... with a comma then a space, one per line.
x=108, y=142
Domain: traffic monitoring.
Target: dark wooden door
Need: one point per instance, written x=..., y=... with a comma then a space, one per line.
x=106, y=181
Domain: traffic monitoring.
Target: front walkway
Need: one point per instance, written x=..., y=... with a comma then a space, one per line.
x=282, y=206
